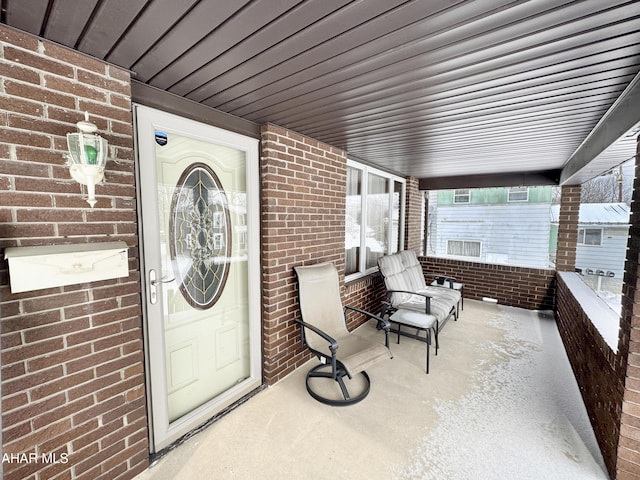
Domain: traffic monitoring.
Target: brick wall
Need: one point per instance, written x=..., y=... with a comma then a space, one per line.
x=597, y=370
x=303, y=222
x=609, y=381
x=303, y=209
x=515, y=286
x=568, y=228
x=368, y=294
x=72, y=362
x=614, y=410
x=628, y=462
x=413, y=216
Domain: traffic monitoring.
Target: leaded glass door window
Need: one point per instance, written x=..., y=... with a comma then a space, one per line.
x=200, y=235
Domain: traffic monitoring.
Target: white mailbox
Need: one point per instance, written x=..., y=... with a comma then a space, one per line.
x=34, y=268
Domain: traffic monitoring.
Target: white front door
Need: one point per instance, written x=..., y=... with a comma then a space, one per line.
x=199, y=212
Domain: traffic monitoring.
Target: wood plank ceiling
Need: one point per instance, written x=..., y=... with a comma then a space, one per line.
x=427, y=88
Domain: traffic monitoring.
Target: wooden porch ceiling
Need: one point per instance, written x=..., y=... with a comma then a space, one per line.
x=435, y=89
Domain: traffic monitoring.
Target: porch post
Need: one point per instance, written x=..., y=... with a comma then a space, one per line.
x=568, y=228
x=412, y=216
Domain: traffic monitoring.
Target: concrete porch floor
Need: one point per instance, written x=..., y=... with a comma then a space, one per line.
x=500, y=402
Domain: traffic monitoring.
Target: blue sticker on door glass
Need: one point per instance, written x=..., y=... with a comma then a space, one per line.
x=161, y=138
x=200, y=230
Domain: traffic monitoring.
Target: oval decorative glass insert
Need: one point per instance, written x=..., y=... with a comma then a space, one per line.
x=200, y=230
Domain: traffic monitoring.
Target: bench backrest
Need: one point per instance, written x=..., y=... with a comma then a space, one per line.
x=402, y=271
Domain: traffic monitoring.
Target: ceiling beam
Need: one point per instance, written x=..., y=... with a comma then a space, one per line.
x=168, y=102
x=621, y=118
x=515, y=179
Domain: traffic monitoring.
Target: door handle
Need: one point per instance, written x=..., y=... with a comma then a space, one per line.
x=153, y=289
x=164, y=280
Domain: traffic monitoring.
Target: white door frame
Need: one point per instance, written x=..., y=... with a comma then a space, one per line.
x=146, y=122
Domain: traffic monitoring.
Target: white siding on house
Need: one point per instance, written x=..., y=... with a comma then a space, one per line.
x=613, y=219
x=609, y=256
x=514, y=234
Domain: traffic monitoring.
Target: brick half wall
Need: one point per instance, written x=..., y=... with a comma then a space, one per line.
x=628, y=465
x=598, y=371
x=529, y=288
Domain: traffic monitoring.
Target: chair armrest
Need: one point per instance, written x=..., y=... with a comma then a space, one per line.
x=384, y=322
x=386, y=325
x=427, y=298
x=333, y=343
x=426, y=295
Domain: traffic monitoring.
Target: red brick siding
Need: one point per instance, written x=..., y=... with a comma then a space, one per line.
x=609, y=382
x=628, y=464
x=72, y=361
x=515, y=286
x=303, y=221
x=303, y=211
x=413, y=216
x=597, y=370
x=568, y=228
x=368, y=294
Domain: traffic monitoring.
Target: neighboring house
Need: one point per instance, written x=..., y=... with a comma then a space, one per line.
x=603, y=231
x=507, y=225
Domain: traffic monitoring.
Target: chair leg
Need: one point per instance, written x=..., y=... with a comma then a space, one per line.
x=316, y=372
x=343, y=388
x=428, y=342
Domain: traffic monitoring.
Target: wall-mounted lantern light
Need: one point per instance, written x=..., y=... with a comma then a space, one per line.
x=87, y=157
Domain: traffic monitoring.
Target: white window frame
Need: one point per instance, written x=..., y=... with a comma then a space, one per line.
x=366, y=170
x=582, y=232
x=518, y=190
x=464, y=240
x=456, y=195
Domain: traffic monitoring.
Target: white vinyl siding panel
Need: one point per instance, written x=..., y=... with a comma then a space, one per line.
x=514, y=234
x=610, y=256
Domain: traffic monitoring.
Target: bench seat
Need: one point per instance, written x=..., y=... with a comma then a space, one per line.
x=411, y=303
